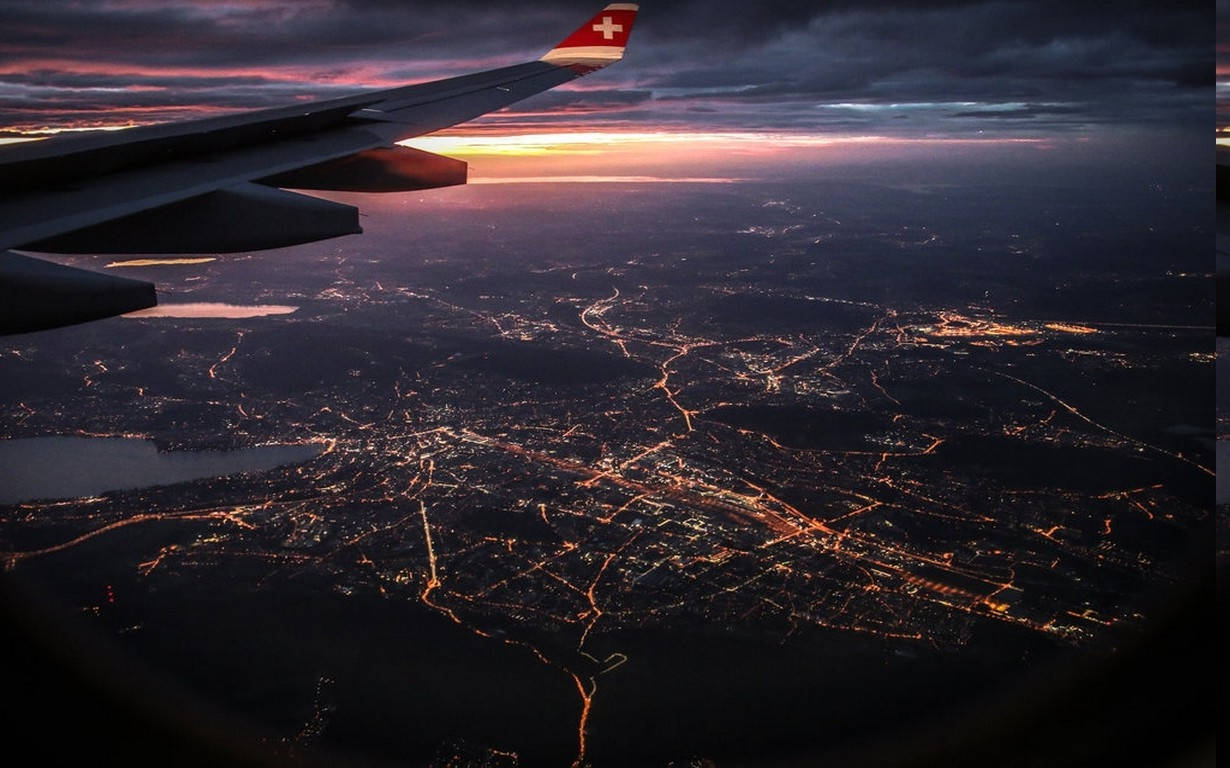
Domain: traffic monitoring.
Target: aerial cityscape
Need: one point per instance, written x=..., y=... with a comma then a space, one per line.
x=766, y=428
x=811, y=379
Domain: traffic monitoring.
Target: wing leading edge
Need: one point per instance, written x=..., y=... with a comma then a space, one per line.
x=216, y=185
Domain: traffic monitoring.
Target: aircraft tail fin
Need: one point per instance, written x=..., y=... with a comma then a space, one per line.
x=598, y=42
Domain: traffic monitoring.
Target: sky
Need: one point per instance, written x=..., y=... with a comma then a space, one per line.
x=743, y=77
x=1223, y=68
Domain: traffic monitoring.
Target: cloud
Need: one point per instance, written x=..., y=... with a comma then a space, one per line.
x=907, y=67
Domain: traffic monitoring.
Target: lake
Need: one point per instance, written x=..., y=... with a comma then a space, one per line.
x=72, y=467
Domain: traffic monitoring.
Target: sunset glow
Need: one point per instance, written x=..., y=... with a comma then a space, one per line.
x=602, y=180
x=598, y=142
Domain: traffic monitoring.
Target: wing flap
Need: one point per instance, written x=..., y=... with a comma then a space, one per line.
x=36, y=295
x=43, y=215
x=66, y=158
x=395, y=169
x=246, y=217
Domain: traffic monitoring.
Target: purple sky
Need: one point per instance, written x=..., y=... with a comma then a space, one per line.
x=1223, y=65
x=944, y=68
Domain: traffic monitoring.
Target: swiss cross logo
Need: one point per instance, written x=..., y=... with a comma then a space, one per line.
x=601, y=37
x=607, y=28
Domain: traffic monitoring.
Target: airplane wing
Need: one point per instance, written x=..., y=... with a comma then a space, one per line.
x=219, y=185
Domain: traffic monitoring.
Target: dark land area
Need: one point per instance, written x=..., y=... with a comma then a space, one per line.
x=737, y=472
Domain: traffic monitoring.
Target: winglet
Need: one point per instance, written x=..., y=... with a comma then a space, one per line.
x=598, y=42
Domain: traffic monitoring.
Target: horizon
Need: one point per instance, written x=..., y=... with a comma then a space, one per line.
x=787, y=86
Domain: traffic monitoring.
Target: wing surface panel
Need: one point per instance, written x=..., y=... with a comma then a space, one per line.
x=245, y=217
x=52, y=212
x=36, y=294
x=211, y=185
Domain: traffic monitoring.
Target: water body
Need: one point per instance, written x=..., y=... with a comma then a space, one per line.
x=159, y=262
x=72, y=467
x=212, y=309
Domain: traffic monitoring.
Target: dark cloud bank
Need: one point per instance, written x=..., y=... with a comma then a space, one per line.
x=940, y=68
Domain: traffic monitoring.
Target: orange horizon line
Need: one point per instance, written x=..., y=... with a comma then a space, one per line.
x=580, y=135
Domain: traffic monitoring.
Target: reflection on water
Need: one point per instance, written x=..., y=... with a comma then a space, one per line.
x=160, y=262
x=211, y=309
x=72, y=467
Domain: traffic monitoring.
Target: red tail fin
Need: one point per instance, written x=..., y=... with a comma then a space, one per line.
x=599, y=41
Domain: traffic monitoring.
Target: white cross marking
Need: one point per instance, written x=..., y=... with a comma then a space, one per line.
x=608, y=29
